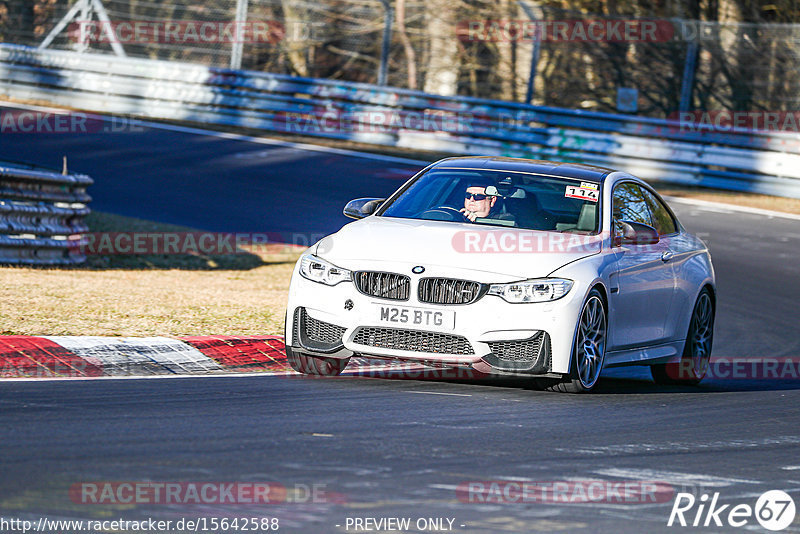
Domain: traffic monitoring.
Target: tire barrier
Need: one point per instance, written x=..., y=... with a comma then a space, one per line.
x=41, y=216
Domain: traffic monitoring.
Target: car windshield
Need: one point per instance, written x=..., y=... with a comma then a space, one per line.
x=500, y=198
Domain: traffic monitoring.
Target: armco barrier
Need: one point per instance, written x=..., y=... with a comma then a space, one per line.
x=41, y=216
x=756, y=161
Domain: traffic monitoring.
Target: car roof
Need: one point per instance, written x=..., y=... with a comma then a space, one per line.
x=552, y=168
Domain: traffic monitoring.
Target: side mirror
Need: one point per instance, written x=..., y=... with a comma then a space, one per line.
x=362, y=207
x=634, y=233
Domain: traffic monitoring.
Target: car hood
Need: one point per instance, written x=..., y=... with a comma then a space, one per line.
x=511, y=252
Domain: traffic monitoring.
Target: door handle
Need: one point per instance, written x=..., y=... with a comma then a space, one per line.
x=667, y=255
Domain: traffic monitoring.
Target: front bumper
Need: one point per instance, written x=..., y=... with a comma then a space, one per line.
x=490, y=335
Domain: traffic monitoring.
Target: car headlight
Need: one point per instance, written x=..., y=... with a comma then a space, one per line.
x=318, y=270
x=540, y=290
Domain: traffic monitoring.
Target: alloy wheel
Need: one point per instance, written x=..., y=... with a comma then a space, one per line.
x=591, y=342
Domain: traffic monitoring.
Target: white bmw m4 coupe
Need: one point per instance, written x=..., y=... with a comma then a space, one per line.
x=508, y=266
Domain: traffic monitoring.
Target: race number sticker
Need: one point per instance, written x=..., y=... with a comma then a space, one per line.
x=583, y=193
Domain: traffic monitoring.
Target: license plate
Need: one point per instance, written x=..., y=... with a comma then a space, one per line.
x=408, y=316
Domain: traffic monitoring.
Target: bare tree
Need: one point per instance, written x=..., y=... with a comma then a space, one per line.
x=295, y=51
x=411, y=59
x=441, y=73
x=20, y=21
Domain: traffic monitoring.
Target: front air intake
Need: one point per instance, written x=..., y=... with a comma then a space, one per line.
x=314, y=334
x=412, y=340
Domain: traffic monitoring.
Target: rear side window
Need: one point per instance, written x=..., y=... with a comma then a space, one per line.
x=662, y=219
x=631, y=204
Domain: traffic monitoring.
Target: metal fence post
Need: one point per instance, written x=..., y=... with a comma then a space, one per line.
x=86, y=15
x=102, y=15
x=387, y=38
x=237, y=47
x=687, y=83
x=537, y=43
x=85, y=8
x=78, y=7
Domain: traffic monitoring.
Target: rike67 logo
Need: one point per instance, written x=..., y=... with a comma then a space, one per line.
x=774, y=510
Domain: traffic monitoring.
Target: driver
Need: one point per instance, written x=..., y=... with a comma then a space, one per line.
x=477, y=203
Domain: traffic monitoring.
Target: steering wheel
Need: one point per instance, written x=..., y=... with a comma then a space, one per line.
x=444, y=213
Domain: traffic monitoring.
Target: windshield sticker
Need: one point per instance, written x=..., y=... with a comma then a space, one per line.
x=589, y=185
x=583, y=193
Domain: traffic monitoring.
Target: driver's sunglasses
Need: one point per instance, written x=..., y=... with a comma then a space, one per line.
x=476, y=196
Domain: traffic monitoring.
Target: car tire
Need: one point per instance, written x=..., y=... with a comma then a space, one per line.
x=588, y=348
x=696, y=355
x=315, y=365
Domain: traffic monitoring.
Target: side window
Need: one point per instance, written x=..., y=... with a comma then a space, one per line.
x=631, y=204
x=662, y=220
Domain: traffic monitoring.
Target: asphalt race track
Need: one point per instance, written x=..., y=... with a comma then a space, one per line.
x=392, y=447
x=208, y=182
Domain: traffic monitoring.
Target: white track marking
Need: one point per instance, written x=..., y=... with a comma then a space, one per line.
x=145, y=354
x=146, y=377
x=673, y=477
x=232, y=136
x=678, y=446
x=437, y=393
x=448, y=487
x=720, y=207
